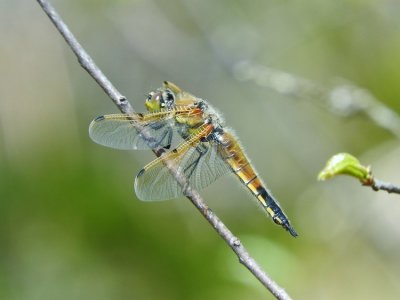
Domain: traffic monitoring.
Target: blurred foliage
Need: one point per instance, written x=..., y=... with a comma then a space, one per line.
x=345, y=164
x=70, y=225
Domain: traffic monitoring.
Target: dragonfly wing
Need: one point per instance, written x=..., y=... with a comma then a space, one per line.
x=201, y=164
x=118, y=131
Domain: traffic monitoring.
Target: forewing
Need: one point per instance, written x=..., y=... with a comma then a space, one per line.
x=155, y=182
x=118, y=131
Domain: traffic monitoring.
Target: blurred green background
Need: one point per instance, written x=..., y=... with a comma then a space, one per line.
x=70, y=225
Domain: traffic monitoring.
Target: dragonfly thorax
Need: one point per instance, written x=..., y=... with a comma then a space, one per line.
x=210, y=113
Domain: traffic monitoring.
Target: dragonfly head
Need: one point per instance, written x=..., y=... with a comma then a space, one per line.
x=163, y=98
x=160, y=99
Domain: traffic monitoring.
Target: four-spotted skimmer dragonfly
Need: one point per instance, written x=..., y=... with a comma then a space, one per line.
x=207, y=149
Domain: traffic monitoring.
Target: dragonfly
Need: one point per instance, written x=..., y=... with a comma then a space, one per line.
x=193, y=136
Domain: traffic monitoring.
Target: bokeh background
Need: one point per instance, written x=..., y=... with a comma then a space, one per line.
x=298, y=80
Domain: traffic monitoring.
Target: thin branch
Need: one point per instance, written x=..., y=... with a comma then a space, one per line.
x=377, y=185
x=85, y=60
x=125, y=107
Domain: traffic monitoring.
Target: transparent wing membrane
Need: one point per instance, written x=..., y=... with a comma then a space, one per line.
x=200, y=162
x=206, y=151
x=118, y=131
x=201, y=165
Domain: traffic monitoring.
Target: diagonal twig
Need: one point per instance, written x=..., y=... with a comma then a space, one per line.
x=377, y=185
x=124, y=106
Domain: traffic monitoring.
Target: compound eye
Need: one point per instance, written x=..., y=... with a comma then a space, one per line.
x=167, y=99
x=160, y=99
x=169, y=96
x=149, y=96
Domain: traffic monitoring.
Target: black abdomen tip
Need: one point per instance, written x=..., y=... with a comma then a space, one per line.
x=292, y=231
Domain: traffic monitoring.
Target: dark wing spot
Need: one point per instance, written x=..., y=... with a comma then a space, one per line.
x=99, y=118
x=141, y=172
x=160, y=152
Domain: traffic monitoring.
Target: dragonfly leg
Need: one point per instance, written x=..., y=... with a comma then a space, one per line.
x=169, y=138
x=202, y=150
x=164, y=140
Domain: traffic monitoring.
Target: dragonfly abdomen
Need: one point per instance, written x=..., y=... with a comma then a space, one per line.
x=243, y=169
